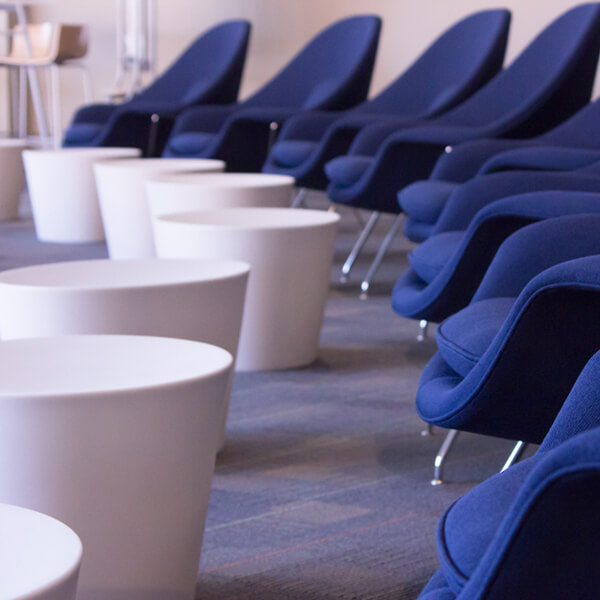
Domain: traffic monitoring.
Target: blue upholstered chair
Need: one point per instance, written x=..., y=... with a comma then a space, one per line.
x=571, y=145
x=528, y=330
x=459, y=62
x=209, y=71
x=532, y=531
x=332, y=72
x=437, y=283
x=446, y=270
x=452, y=205
x=550, y=80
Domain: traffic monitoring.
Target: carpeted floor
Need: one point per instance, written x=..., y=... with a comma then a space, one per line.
x=322, y=491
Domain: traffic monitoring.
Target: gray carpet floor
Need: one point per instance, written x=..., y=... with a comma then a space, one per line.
x=322, y=491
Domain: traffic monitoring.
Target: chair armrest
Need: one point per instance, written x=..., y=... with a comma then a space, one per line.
x=538, y=158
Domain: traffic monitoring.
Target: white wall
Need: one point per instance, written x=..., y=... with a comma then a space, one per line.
x=280, y=27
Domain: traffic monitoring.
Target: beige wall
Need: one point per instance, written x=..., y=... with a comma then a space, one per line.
x=280, y=27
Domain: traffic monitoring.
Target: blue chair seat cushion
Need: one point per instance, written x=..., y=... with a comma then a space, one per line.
x=80, y=133
x=190, y=143
x=345, y=171
x=291, y=153
x=468, y=526
x=429, y=258
x=416, y=231
x=424, y=200
x=463, y=338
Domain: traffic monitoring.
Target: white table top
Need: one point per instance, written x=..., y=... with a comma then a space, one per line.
x=121, y=274
x=102, y=364
x=36, y=552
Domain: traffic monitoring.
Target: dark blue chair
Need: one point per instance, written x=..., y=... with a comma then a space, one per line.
x=209, y=71
x=420, y=293
x=550, y=80
x=571, y=145
x=532, y=531
x=535, y=310
x=427, y=218
x=446, y=270
x=459, y=62
x=332, y=72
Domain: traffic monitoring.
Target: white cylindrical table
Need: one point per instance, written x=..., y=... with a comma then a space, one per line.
x=193, y=299
x=62, y=191
x=187, y=192
x=123, y=203
x=12, y=177
x=290, y=253
x=116, y=437
x=190, y=192
x=39, y=556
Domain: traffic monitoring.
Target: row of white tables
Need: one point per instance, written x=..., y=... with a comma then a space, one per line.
x=115, y=432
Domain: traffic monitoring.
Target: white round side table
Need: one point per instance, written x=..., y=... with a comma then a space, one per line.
x=39, y=556
x=123, y=203
x=290, y=254
x=187, y=192
x=116, y=437
x=62, y=192
x=192, y=299
x=12, y=177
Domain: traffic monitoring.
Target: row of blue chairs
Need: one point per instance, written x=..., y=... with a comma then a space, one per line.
x=509, y=266
x=198, y=93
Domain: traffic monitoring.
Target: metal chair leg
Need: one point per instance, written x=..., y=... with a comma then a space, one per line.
x=358, y=245
x=387, y=240
x=515, y=455
x=438, y=465
x=56, y=106
x=152, y=134
x=428, y=431
x=359, y=218
x=299, y=198
x=273, y=132
x=423, y=326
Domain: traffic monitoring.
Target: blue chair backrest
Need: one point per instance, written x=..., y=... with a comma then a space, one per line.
x=456, y=64
x=582, y=130
x=550, y=80
x=214, y=60
x=581, y=409
x=332, y=71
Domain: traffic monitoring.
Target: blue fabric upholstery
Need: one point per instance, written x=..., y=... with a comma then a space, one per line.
x=332, y=72
x=464, y=200
x=571, y=145
x=551, y=158
x=209, y=71
x=411, y=202
x=431, y=257
x=532, y=531
x=456, y=64
x=548, y=82
x=553, y=271
x=463, y=339
x=461, y=258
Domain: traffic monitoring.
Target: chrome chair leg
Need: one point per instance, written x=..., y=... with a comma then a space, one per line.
x=299, y=198
x=438, y=465
x=428, y=431
x=515, y=455
x=387, y=240
x=359, y=218
x=358, y=245
x=152, y=135
x=273, y=131
x=423, y=326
